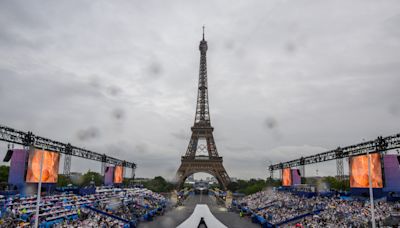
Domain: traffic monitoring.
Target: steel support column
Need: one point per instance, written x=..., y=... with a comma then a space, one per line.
x=133, y=169
x=339, y=169
x=103, y=164
x=67, y=160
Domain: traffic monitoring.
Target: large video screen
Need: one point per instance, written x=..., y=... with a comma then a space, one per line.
x=118, y=177
x=359, y=171
x=51, y=162
x=109, y=175
x=391, y=164
x=18, y=167
x=296, y=177
x=286, y=177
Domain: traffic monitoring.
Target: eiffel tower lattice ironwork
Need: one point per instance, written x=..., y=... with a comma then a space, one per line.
x=202, y=130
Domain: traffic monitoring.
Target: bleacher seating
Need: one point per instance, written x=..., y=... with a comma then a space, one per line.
x=283, y=208
x=107, y=206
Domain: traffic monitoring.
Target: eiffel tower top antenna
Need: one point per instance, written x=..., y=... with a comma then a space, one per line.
x=203, y=31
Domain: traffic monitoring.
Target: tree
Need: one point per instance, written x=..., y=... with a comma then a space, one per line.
x=253, y=186
x=63, y=180
x=273, y=182
x=158, y=184
x=336, y=184
x=247, y=187
x=311, y=181
x=89, y=175
x=4, y=170
x=127, y=181
x=233, y=186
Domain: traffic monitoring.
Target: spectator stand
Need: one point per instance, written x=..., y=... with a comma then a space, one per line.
x=8, y=193
x=258, y=219
x=393, y=196
x=327, y=209
x=87, y=191
x=108, y=206
x=109, y=215
x=316, y=212
x=68, y=189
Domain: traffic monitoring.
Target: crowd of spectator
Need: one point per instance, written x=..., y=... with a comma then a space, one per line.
x=349, y=213
x=108, y=207
x=277, y=207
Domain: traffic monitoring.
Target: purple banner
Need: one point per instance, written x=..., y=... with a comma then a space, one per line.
x=17, y=167
x=296, y=178
x=109, y=175
x=392, y=173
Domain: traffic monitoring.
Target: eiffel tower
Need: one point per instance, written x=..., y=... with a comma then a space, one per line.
x=208, y=161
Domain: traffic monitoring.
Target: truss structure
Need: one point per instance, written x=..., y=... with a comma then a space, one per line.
x=14, y=136
x=379, y=145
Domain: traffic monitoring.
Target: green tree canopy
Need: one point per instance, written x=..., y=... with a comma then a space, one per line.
x=158, y=184
x=248, y=186
x=63, y=180
x=4, y=170
x=87, y=178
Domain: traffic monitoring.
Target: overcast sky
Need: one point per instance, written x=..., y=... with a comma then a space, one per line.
x=286, y=78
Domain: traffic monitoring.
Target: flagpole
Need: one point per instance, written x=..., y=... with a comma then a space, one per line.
x=39, y=191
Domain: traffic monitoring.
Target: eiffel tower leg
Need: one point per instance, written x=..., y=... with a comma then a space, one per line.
x=212, y=149
x=181, y=177
x=192, y=147
x=213, y=167
x=222, y=177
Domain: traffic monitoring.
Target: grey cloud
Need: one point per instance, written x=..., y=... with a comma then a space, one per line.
x=283, y=75
x=391, y=24
x=290, y=47
x=142, y=148
x=20, y=14
x=271, y=123
x=9, y=38
x=394, y=109
x=88, y=134
x=118, y=113
x=155, y=69
x=95, y=81
x=243, y=149
x=114, y=90
x=181, y=135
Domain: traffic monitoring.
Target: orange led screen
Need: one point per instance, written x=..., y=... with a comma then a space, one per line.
x=51, y=161
x=118, y=174
x=286, y=177
x=359, y=171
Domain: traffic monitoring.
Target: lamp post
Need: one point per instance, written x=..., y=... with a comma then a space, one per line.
x=39, y=191
x=371, y=193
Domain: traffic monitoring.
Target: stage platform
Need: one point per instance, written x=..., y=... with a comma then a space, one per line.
x=201, y=214
x=176, y=216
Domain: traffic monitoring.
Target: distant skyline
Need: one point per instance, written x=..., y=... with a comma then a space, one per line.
x=286, y=78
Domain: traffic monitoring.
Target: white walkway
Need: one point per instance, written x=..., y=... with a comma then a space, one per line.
x=201, y=211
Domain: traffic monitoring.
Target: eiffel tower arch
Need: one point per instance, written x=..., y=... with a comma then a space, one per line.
x=201, y=154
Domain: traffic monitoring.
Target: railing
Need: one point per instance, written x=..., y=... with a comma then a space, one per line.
x=201, y=158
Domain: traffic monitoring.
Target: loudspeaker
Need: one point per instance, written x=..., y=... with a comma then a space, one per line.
x=8, y=156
